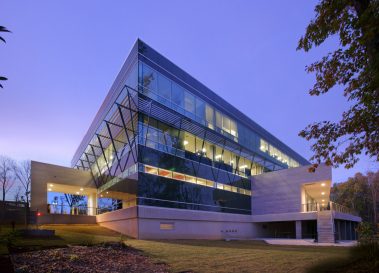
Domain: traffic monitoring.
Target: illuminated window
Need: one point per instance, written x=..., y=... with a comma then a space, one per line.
x=165, y=173
x=167, y=226
x=151, y=170
x=190, y=179
x=227, y=188
x=220, y=186
x=178, y=176
x=210, y=183
x=209, y=116
x=264, y=146
x=234, y=189
x=201, y=181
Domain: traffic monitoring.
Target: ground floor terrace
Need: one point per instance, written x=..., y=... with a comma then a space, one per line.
x=67, y=196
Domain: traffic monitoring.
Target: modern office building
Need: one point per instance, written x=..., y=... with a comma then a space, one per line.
x=179, y=161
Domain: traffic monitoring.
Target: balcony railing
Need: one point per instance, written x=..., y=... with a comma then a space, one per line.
x=73, y=210
x=312, y=207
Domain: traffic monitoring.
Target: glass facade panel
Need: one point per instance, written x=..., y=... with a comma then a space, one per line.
x=177, y=95
x=200, y=110
x=171, y=94
x=189, y=102
x=164, y=88
x=209, y=116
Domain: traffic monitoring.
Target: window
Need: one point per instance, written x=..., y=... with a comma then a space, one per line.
x=226, y=124
x=210, y=183
x=189, y=102
x=190, y=179
x=233, y=128
x=201, y=181
x=218, y=120
x=149, y=79
x=178, y=176
x=164, y=87
x=209, y=116
x=264, y=146
x=200, y=109
x=151, y=170
x=165, y=173
x=177, y=95
x=220, y=186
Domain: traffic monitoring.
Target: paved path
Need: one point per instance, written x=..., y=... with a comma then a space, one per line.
x=304, y=242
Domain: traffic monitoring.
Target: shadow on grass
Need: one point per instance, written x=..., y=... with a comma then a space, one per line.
x=362, y=258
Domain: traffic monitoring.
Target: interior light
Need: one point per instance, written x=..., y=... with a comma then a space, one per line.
x=107, y=192
x=204, y=150
x=243, y=167
x=185, y=142
x=322, y=184
x=81, y=189
x=323, y=193
x=49, y=189
x=218, y=156
x=323, y=200
x=101, y=195
x=51, y=185
x=77, y=192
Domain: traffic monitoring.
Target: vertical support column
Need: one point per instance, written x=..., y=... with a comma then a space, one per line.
x=298, y=230
x=92, y=203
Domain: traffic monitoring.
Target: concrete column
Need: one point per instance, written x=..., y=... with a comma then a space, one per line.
x=298, y=230
x=92, y=203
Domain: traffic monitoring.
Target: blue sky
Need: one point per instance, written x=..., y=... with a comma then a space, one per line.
x=63, y=56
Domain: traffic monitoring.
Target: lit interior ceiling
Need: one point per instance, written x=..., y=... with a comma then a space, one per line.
x=54, y=187
x=319, y=191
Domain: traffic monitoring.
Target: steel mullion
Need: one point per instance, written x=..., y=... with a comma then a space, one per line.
x=131, y=115
x=114, y=146
x=126, y=131
x=124, y=143
x=105, y=158
x=93, y=176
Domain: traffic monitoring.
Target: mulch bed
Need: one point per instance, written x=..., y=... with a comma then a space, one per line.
x=92, y=259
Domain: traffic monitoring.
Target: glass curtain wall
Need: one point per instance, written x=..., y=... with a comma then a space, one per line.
x=158, y=87
x=160, y=136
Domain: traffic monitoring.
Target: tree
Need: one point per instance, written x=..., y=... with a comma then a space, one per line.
x=355, y=67
x=357, y=193
x=17, y=194
x=3, y=29
x=6, y=175
x=22, y=172
x=373, y=183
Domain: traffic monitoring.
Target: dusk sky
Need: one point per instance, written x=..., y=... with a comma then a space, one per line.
x=62, y=57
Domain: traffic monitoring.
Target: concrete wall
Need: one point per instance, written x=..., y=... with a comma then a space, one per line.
x=191, y=224
x=281, y=191
x=42, y=174
x=65, y=219
x=123, y=221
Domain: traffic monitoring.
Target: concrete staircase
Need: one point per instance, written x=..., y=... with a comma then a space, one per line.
x=325, y=227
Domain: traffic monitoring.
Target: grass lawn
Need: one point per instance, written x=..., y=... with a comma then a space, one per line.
x=200, y=255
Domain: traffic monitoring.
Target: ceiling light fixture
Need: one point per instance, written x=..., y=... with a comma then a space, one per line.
x=323, y=193
x=322, y=184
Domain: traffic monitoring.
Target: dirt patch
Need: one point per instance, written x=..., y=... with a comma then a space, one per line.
x=92, y=259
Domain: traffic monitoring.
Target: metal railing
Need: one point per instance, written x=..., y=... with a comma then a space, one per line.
x=312, y=207
x=71, y=210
